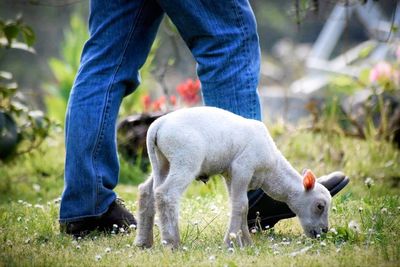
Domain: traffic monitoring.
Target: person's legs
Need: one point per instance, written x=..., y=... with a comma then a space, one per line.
x=222, y=37
x=121, y=34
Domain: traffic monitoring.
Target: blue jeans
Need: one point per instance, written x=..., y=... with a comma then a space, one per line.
x=221, y=36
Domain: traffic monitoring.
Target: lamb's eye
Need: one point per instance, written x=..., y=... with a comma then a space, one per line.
x=320, y=207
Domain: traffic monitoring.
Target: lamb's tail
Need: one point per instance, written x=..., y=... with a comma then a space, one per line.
x=157, y=159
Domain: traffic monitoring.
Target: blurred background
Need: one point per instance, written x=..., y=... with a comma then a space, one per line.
x=326, y=65
x=330, y=90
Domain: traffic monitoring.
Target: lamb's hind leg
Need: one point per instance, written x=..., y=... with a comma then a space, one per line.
x=167, y=197
x=146, y=212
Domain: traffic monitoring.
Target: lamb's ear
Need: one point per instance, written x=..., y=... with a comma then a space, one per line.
x=308, y=180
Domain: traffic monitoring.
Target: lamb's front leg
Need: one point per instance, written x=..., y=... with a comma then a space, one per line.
x=237, y=187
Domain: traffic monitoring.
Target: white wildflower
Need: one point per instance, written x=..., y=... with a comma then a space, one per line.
x=185, y=248
x=121, y=230
x=19, y=219
x=384, y=210
x=253, y=230
x=98, y=257
x=323, y=244
x=78, y=247
x=354, y=226
x=360, y=209
x=276, y=252
x=115, y=226
x=128, y=245
x=27, y=241
x=20, y=201
x=369, y=182
x=107, y=250
x=231, y=250
x=132, y=226
x=164, y=242
x=333, y=231
x=38, y=206
x=334, y=209
x=211, y=258
x=36, y=187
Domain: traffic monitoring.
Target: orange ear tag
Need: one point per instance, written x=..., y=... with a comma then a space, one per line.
x=308, y=180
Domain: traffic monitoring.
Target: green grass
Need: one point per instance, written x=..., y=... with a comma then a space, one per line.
x=31, y=185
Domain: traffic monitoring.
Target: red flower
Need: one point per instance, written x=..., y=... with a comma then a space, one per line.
x=189, y=91
x=146, y=102
x=172, y=100
x=159, y=103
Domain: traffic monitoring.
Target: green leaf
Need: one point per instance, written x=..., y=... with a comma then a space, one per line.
x=366, y=51
x=11, y=32
x=8, y=89
x=29, y=35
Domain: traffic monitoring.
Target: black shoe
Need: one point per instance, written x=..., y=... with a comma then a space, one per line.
x=265, y=212
x=116, y=217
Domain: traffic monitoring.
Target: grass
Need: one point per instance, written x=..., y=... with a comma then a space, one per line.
x=365, y=226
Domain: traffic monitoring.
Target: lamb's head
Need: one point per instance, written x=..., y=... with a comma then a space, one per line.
x=311, y=205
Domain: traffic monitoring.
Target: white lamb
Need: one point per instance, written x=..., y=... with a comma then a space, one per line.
x=203, y=141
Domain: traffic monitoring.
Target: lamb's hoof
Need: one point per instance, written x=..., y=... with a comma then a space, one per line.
x=143, y=244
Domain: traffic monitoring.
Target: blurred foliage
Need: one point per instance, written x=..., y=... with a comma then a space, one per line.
x=21, y=129
x=65, y=69
x=11, y=32
x=366, y=106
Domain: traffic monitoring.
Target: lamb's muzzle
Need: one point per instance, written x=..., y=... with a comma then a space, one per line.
x=203, y=141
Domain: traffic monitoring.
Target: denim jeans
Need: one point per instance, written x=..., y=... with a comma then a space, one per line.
x=223, y=39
